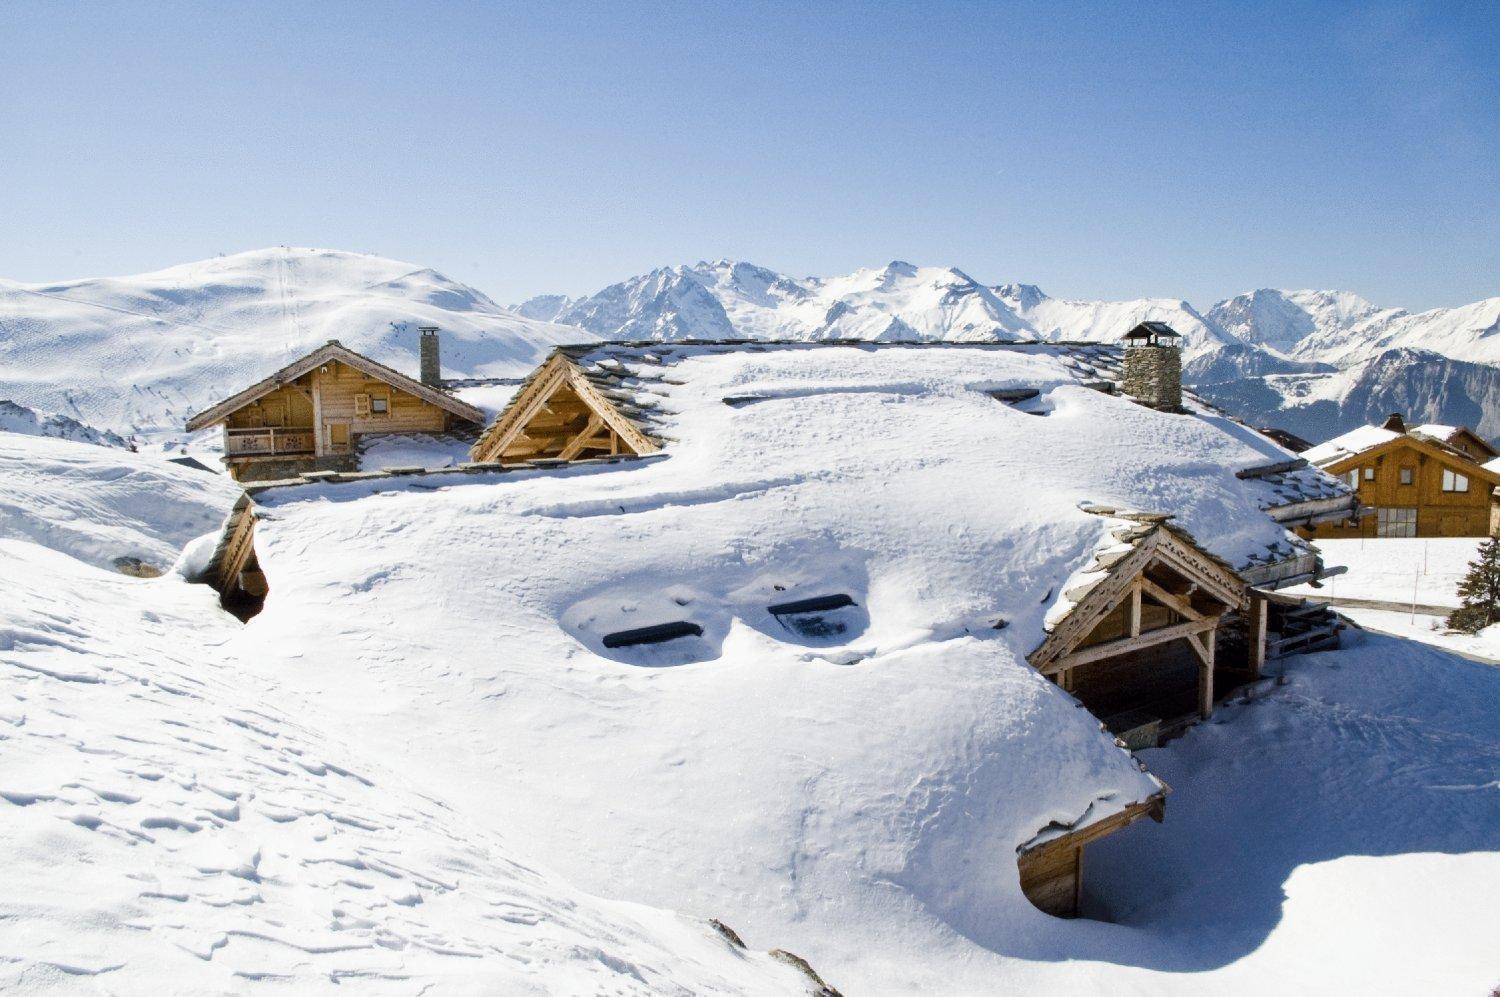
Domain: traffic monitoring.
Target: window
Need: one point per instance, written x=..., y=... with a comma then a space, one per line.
x=1369, y=474
x=1354, y=478
x=1454, y=482
x=379, y=406
x=1396, y=522
x=1408, y=474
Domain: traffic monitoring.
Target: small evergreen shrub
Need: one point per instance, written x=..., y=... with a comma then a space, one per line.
x=1480, y=591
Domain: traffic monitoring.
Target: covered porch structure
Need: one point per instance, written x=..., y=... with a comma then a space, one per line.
x=1145, y=646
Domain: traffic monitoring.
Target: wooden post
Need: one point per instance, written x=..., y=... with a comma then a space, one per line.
x=317, y=400
x=1206, y=676
x=1135, y=608
x=1259, y=606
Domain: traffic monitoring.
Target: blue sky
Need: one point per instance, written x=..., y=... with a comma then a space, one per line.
x=1100, y=151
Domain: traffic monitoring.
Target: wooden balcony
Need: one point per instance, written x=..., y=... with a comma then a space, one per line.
x=268, y=442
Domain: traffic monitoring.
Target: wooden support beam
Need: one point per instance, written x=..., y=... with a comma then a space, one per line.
x=1195, y=641
x=1170, y=599
x=574, y=448
x=1206, y=679
x=1135, y=608
x=1257, y=633
x=1149, y=638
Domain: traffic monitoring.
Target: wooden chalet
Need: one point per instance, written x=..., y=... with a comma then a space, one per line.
x=1427, y=481
x=309, y=415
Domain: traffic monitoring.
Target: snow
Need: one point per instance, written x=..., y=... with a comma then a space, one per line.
x=216, y=837
x=900, y=301
x=1427, y=629
x=862, y=799
x=20, y=419
x=387, y=450
x=420, y=767
x=103, y=505
x=138, y=355
x=1392, y=569
x=1339, y=834
x=1355, y=441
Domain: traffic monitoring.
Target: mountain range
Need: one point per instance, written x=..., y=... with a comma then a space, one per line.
x=136, y=355
x=1314, y=362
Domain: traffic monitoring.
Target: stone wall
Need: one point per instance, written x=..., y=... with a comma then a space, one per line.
x=1153, y=376
x=291, y=467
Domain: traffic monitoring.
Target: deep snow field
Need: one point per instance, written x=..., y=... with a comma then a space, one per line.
x=419, y=766
x=1402, y=571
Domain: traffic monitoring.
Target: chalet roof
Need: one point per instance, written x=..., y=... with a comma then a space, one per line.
x=333, y=350
x=1453, y=435
x=644, y=382
x=1368, y=440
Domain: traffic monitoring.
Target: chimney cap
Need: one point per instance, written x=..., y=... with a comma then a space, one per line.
x=1394, y=423
x=427, y=330
x=1152, y=334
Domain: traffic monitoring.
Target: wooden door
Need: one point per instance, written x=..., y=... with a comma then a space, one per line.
x=338, y=436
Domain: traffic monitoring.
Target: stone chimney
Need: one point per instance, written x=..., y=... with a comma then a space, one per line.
x=1395, y=423
x=432, y=367
x=1153, y=366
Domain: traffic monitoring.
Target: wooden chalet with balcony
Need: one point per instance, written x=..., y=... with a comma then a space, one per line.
x=309, y=415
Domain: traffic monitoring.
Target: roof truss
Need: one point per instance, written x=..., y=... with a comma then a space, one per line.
x=559, y=414
x=1127, y=580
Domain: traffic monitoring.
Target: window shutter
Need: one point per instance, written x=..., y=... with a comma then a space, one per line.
x=361, y=406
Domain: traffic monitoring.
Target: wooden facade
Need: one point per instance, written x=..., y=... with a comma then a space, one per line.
x=315, y=409
x=1412, y=486
x=559, y=415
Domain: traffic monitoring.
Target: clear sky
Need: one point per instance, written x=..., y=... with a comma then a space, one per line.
x=1099, y=151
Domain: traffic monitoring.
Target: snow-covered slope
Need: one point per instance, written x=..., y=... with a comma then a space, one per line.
x=897, y=302
x=137, y=355
x=105, y=506
x=169, y=823
x=29, y=422
x=418, y=770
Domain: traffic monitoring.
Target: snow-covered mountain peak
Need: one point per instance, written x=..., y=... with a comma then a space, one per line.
x=137, y=354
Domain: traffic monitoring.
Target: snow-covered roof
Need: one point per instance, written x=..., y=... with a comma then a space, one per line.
x=1355, y=441
x=902, y=738
x=1367, y=438
x=1437, y=431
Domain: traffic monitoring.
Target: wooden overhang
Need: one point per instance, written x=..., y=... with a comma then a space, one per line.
x=1051, y=866
x=233, y=570
x=1125, y=582
x=605, y=427
x=334, y=351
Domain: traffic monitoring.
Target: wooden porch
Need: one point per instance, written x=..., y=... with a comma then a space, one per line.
x=269, y=441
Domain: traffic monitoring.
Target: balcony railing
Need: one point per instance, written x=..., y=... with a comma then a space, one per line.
x=268, y=442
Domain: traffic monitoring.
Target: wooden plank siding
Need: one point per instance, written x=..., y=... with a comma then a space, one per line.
x=1438, y=513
